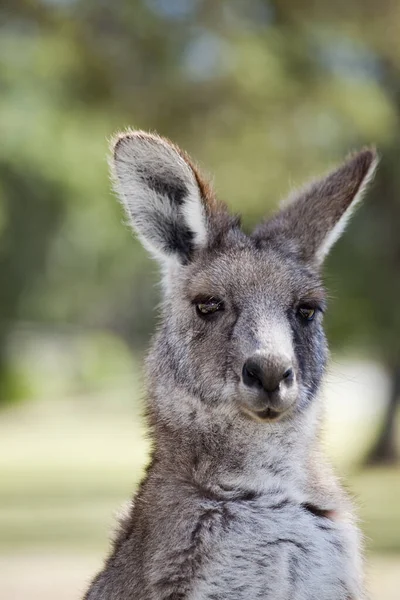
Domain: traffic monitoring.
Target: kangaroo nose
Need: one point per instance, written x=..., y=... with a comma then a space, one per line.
x=266, y=374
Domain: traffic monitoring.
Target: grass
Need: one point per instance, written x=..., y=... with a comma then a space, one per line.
x=64, y=472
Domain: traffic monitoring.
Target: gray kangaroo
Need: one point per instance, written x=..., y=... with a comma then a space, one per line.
x=238, y=502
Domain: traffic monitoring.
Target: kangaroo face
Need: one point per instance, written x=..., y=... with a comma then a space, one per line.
x=247, y=325
x=242, y=314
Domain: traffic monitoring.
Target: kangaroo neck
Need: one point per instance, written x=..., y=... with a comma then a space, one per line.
x=236, y=454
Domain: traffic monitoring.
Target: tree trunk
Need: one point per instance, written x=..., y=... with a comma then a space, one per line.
x=384, y=450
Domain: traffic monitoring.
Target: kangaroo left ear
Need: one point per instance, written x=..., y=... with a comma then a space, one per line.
x=168, y=203
x=316, y=217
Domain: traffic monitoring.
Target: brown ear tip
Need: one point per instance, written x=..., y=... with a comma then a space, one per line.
x=370, y=153
x=123, y=139
x=366, y=158
x=120, y=140
x=116, y=143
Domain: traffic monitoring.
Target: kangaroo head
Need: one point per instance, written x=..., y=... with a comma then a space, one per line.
x=242, y=314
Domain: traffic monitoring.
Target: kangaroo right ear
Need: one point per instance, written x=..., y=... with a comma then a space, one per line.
x=318, y=214
x=167, y=202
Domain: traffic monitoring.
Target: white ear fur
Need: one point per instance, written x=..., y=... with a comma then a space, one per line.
x=334, y=234
x=195, y=217
x=160, y=192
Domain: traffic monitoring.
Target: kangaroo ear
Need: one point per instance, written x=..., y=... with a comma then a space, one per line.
x=167, y=202
x=315, y=217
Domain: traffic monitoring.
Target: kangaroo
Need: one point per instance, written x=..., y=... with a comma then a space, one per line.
x=238, y=502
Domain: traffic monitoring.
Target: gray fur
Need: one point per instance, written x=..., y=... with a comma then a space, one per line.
x=234, y=506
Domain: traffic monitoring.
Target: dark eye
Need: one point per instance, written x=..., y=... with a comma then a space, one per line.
x=307, y=313
x=209, y=306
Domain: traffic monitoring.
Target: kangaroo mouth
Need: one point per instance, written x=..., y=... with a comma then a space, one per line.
x=268, y=414
x=262, y=410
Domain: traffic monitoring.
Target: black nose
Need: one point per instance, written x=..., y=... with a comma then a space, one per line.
x=266, y=374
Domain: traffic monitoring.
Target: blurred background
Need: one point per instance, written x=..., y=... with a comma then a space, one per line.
x=264, y=94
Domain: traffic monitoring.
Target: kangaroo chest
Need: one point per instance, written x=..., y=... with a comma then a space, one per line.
x=251, y=550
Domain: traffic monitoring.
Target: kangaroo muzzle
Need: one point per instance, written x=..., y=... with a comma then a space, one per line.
x=270, y=385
